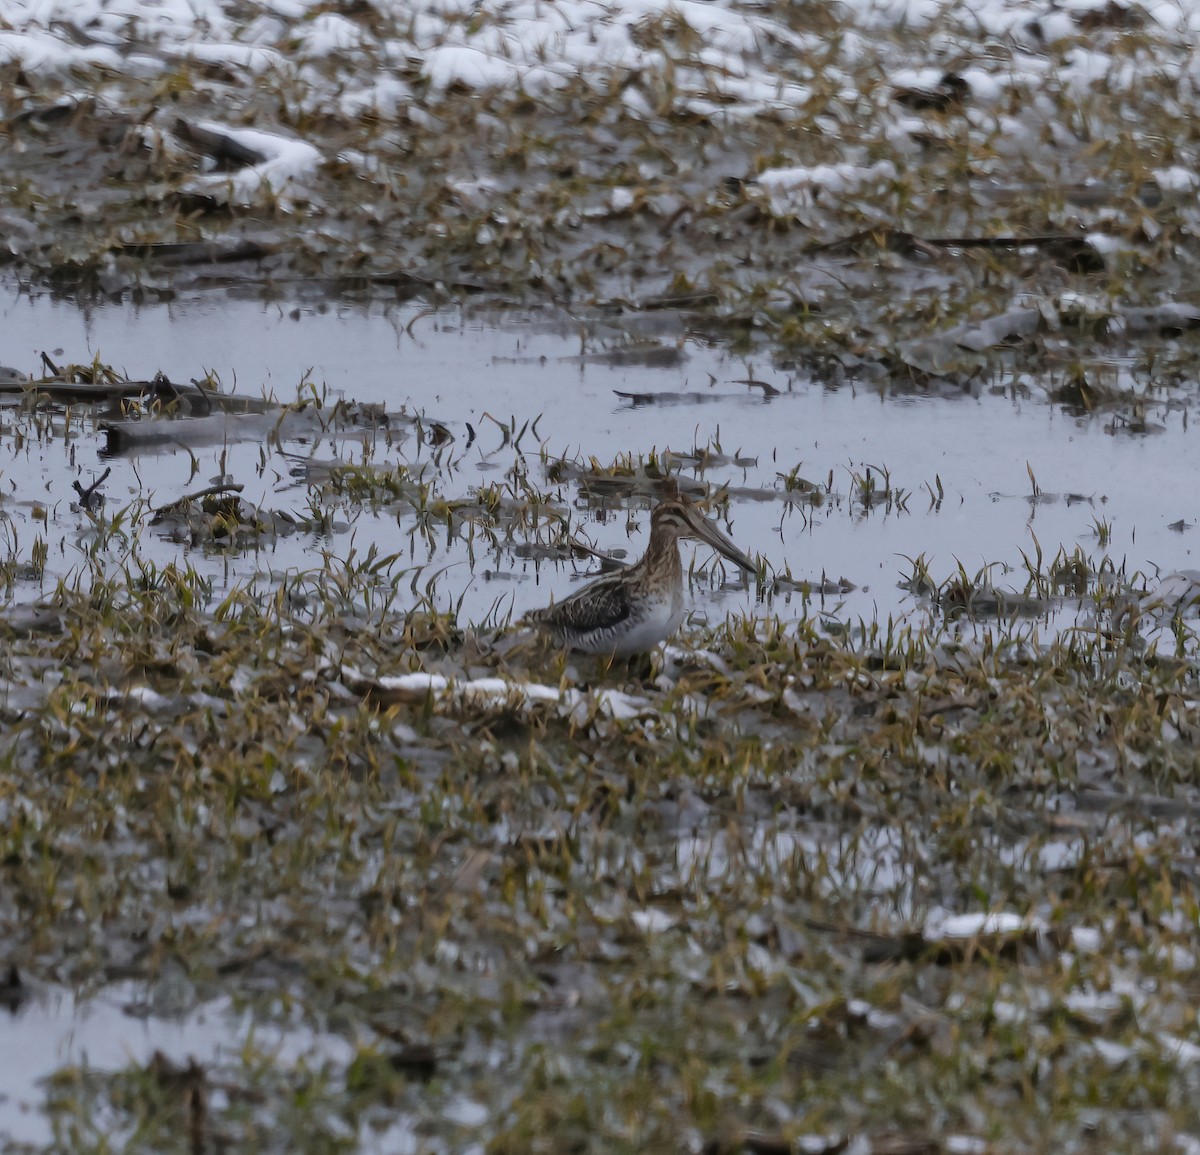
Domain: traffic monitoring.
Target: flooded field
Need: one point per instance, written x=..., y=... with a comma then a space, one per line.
x=861, y=499
x=337, y=338
x=437, y=853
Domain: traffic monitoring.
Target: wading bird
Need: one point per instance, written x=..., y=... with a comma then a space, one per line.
x=632, y=611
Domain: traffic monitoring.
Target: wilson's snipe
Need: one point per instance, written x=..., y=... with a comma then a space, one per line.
x=632, y=611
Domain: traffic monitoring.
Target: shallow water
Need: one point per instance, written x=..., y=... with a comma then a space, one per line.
x=464, y=368
x=120, y=1030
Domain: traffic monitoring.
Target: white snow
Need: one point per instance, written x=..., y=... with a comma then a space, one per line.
x=1176, y=179
x=503, y=692
x=724, y=57
x=652, y=921
x=966, y=926
x=286, y=162
x=791, y=189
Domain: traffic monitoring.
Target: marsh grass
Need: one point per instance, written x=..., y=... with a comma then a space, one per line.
x=527, y=903
x=513, y=897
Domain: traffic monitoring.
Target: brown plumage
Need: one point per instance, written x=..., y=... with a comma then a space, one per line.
x=632, y=611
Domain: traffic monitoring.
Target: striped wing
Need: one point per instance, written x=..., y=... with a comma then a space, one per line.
x=603, y=605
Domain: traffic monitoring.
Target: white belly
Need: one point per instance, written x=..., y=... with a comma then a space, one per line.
x=658, y=619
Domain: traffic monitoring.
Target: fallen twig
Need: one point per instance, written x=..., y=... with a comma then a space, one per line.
x=88, y=497
x=200, y=494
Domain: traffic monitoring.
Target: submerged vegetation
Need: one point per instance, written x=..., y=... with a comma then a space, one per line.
x=275, y=775
x=427, y=883
x=711, y=891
